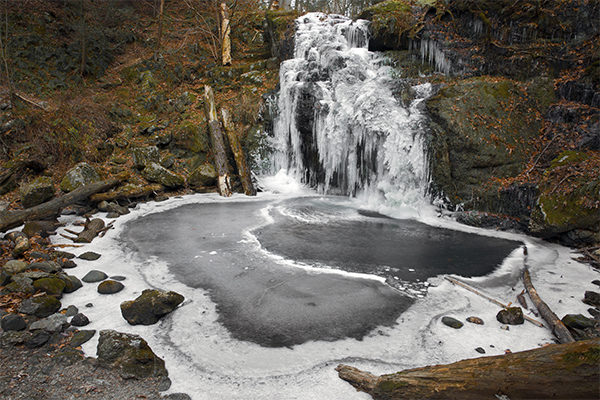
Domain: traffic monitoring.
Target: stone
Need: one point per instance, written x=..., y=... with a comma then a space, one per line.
x=38, y=228
x=52, y=323
x=578, y=321
x=89, y=256
x=33, y=275
x=591, y=298
x=66, y=264
x=13, y=338
x=204, y=175
x=37, y=339
x=594, y=312
x=143, y=156
x=167, y=161
x=154, y=172
x=64, y=254
x=81, y=337
x=40, y=255
x=13, y=267
x=480, y=350
x=21, y=246
x=38, y=191
x=110, y=287
x=72, y=283
x=102, y=206
x=511, y=316
x=52, y=286
x=80, y=320
x=150, y=306
x=13, y=322
x=4, y=278
x=47, y=266
x=475, y=320
x=118, y=278
x=41, y=307
x=80, y=175
x=452, y=322
x=70, y=311
x=94, y=276
x=21, y=285
x=596, y=282
x=116, y=208
x=130, y=355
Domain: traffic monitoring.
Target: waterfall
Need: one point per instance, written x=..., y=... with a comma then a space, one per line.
x=340, y=128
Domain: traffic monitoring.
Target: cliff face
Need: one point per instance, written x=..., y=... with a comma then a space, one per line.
x=515, y=123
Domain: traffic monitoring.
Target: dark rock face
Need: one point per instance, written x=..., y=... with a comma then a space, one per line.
x=150, y=306
x=592, y=298
x=130, y=355
x=511, y=316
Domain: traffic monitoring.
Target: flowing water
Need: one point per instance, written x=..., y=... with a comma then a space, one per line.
x=283, y=287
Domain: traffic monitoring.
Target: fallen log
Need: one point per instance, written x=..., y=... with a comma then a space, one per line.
x=238, y=153
x=12, y=219
x=558, y=328
x=560, y=371
x=91, y=229
x=127, y=193
x=218, y=143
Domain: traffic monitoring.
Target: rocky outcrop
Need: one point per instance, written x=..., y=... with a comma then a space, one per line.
x=80, y=175
x=150, y=306
x=36, y=192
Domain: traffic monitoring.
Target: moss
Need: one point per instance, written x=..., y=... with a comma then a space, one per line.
x=391, y=385
x=573, y=360
x=568, y=157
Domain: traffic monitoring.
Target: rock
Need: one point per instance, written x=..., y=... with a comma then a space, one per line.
x=52, y=286
x=38, y=191
x=578, y=321
x=480, y=350
x=41, y=307
x=143, y=156
x=72, y=283
x=80, y=337
x=64, y=254
x=94, y=276
x=511, y=316
x=21, y=246
x=204, y=175
x=594, y=312
x=66, y=264
x=13, y=338
x=102, y=206
x=130, y=355
x=150, y=306
x=167, y=161
x=13, y=322
x=33, y=275
x=37, y=339
x=154, y=172
x=596, y=282
x=40, y=255
x=591, y=298
x=46, y=266
x=80, y=320
x=21, y=285
x=452, y=322
x=13, y=267
x=39, y=228
x=110, y=287
x=70, y=311
x=4, y=278
x=475, y=320
x=505, y=327
x=80, y=175
x=118, y=278
x=53, y=323
x=177, y=396
x=90, y=256
x=116, y=208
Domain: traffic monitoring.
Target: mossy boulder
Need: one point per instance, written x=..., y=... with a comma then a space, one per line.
x=143, y=156
x=150, y=306
x=189, y=137
x=154, y=172
x=80, y=175
x=52, y=286
x=41, y=306
x=13, y=267
x=37, y=192
x=511, y=316
x=130, y=355
x=204, y=175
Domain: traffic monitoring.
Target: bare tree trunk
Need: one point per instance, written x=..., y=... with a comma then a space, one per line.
x=83, y=41
x=558, y=328
x=561, y=371
x=238, y=153
x=3, y=49
x=218, y=143
x=225, y=34
x=160, y=28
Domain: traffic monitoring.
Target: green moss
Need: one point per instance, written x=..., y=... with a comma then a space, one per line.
x=568, y=157
x=391, y=385
x=573, y=360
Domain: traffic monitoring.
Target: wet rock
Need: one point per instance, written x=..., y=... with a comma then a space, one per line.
x=46, y=266
x=41, y=307
x=143, y=156
x=70, y=311
x=591, y=298
x=116, y=208
x=4, y=278
x=80, y=175
x=80, y=320
x=53, y=323
x=596, y=282
x=452, y=322
x=594, y=312
x=480, y=350
x=154, y=172
x=13, y=322
x=52, y=286
x=118, y=278
x=110, y=287
x=130, y=355
x=64, y=254
x=204, y=175
x=475, y=320
x=578, y=321
x=89, y=256
x=21, y=245
x=72, y=283
x=38, y=191
x=511, y=316
x=37, y=339
x=66, y=264
x=21, y=285
x=150, y=306
x=81, y=337
x=94, y=276
x=13, y=338
x=13, y=267
x=39, y=254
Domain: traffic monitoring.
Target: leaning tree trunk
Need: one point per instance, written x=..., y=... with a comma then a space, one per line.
x=12, y=219
x=561, y=371
x=218, y=143
x=238, y=153
x=225, y=33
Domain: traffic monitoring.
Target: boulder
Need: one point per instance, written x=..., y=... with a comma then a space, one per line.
x=143, y=156
x=53, y=323
x=154, y=172
x=578, y=321
x=79, y=319
x=80, y=175
x=52, y=286
x=13, y=267
x=511, y=316
x=130, y=355
x=37, y=192
x=46, y=266
x=80, y=337
x=94, y=276
x=72, y=283
x=110, y=287
x=591, y=298
x=89, y=256
x=41, y=307
x=204, y=175
x=452, y=322
x=13, y=322
x=20, y=285
x=150, y=306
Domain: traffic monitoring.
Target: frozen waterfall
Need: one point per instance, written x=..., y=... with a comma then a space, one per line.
x=341, y=127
